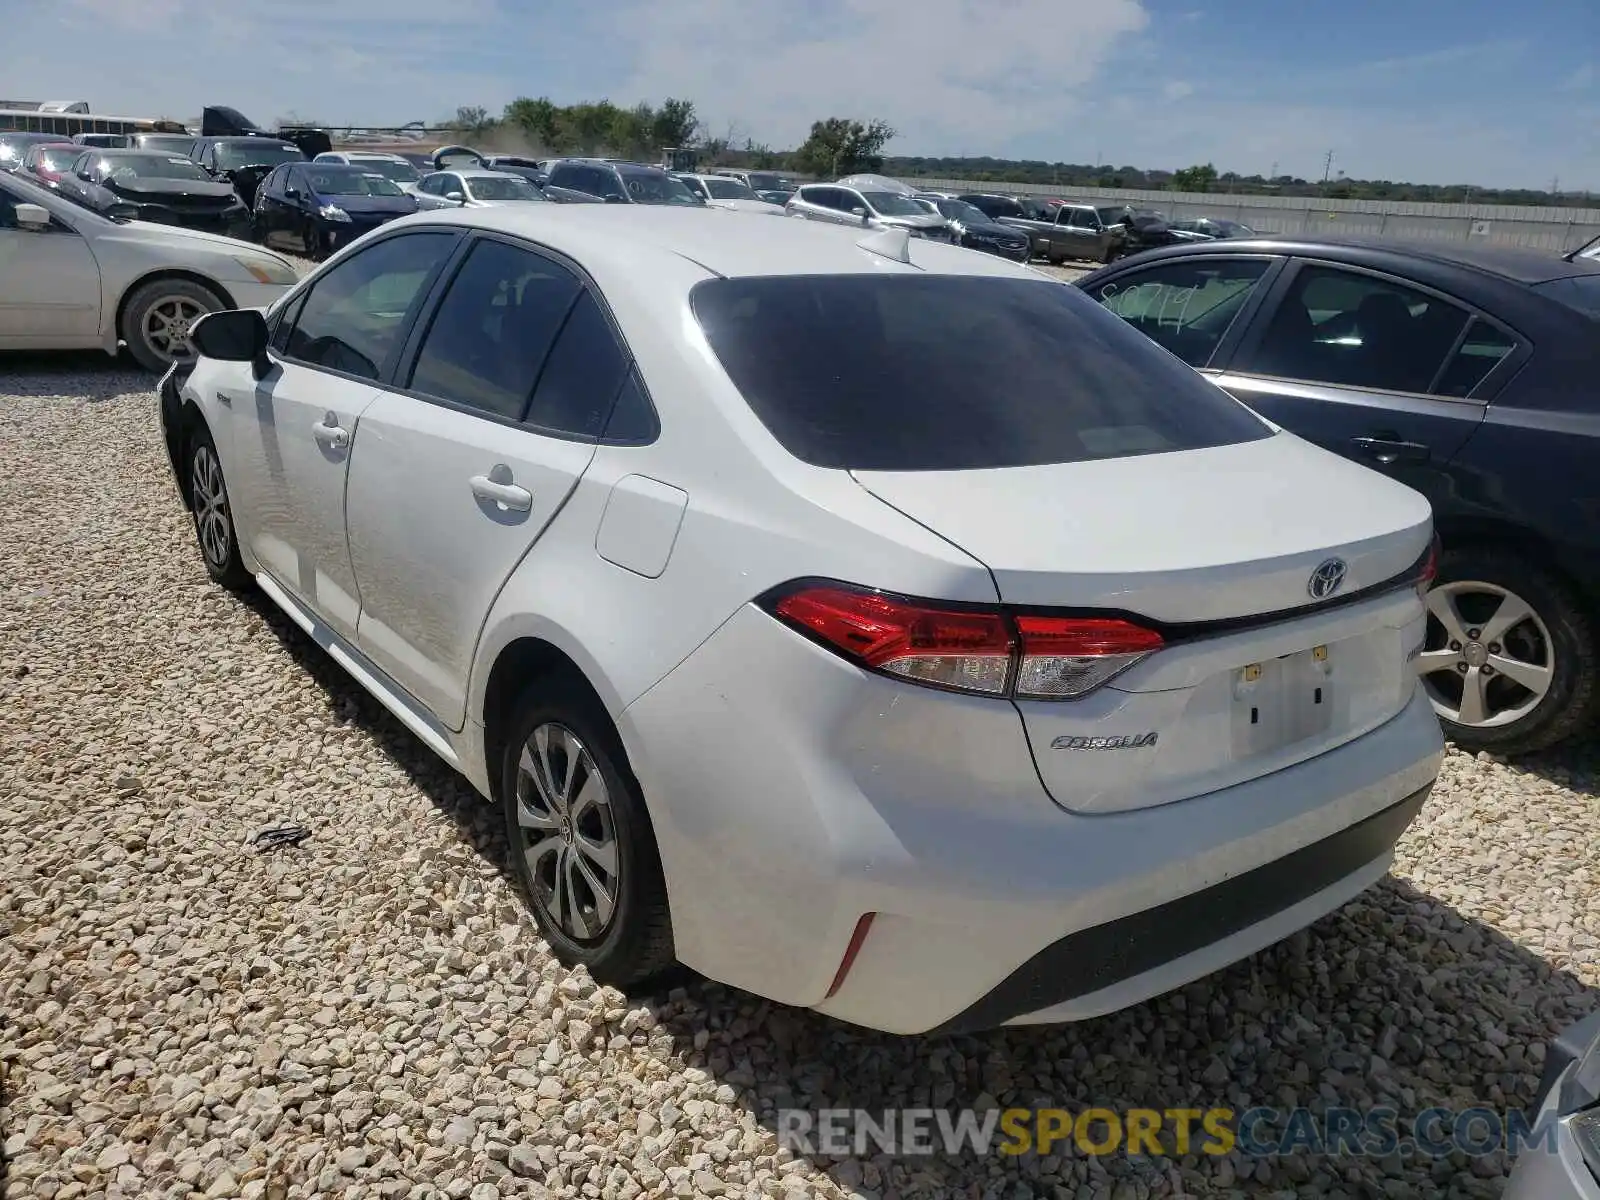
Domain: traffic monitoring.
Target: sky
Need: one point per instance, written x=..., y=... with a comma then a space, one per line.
x=1431, y=91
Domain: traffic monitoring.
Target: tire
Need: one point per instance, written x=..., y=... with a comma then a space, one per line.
x=213, y=514
x=550, y=842
x=1055, y=260
x=1109, y=254
x=157, y=318
x=1550, y=695
x=311, y=242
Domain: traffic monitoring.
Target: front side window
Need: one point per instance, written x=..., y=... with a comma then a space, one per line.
x=355, y=314
x=954, y=372
x=1355, y=330
x=726, y=189
x=1084, y=218
x=1187, y=307
x=492, y=332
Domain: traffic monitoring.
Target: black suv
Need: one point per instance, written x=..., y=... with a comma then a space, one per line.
x=1468, y=372
x=617, y=182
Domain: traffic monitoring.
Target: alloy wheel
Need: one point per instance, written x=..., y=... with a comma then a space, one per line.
x=167, y=323
x=569, y=836
x=211, y=508
x=1488, y=658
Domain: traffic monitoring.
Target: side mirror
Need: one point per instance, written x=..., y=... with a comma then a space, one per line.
x=615, y=199
x=34, y=218
x=86, y=176
x=233, y=335
x=859, y=211
x=291, y=193
x=123, y=211
x=456, y=197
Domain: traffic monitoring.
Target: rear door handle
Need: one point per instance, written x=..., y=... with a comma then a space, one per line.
x=1389, y=451
x=497, y=488
x=329, y=433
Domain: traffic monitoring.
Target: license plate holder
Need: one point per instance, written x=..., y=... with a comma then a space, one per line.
x=1282, y=701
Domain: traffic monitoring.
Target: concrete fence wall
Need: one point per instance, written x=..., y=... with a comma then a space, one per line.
x=1556, y=229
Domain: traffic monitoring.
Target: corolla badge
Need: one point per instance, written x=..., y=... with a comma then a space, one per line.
x=1130, y=741
x=1327, y=579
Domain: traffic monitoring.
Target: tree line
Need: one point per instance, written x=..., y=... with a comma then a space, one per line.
x=839, y=146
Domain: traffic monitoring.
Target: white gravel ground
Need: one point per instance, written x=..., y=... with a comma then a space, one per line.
x=370, y=1015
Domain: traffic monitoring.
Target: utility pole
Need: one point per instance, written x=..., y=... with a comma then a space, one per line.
x=1555, y=185
x=1274, y=173
x=1327, y=166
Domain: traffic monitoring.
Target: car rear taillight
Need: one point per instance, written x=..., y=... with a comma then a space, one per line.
x=1428, y=571
x=990, y=652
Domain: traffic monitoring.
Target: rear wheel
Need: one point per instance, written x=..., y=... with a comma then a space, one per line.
x=157, y=319
x=1509, y=659
x=581, y=840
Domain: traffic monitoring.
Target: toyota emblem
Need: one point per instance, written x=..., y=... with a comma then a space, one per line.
x=1327, y=579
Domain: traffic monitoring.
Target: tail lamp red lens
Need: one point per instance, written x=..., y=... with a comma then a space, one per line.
x=985, y=652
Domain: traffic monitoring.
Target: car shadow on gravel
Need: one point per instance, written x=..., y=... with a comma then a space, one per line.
x=1574, y=764
x=1396, y=1000
x=86, y=375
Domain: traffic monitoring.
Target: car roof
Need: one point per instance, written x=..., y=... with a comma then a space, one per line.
x=1514, y=264
x=737, y=245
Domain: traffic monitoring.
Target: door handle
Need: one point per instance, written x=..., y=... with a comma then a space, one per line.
x=1388, y=451
x=328, y=432
x=497, y=488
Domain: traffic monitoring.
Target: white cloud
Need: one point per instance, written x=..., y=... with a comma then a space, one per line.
x=949, y=75
x=1178, y=90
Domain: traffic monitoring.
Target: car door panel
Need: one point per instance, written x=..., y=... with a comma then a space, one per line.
x=293, y=449
x=296, y=431
x=50, y=295
x=431, y=556
x=1316, y=319
x=510, y=378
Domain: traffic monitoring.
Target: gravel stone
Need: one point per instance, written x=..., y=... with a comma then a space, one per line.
x=370, y=1014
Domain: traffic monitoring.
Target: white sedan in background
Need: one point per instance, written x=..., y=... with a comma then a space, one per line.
x=719, y=191
x=398, y=171
x=870, y=624
x=475, y=189
x=71, y=279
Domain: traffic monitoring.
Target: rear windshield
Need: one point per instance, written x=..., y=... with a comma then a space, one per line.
x=954, y=372
x=504, y=187
x=1581, y=292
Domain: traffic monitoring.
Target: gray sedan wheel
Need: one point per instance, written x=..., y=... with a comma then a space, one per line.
x=158, y=317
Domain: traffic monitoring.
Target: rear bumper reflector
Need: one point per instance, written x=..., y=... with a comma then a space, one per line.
x=850, y=952
x=1098, y=957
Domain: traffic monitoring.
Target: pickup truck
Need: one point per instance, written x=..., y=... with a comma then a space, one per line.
x=1066, y=231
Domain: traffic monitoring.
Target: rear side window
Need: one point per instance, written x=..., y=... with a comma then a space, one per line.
x=581, y=379
x=954, y=372
x=494, y=327
x=1481, y=351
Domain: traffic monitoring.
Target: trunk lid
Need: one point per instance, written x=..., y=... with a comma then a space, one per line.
x=1216, y=549
x=1196, y=535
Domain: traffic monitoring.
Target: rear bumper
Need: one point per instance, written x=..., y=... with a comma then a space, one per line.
x=792, y=800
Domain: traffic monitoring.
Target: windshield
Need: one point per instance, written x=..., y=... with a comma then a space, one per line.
x=59, y=158
x=1234, y=229
x=954, y=372
x=172, y=144
x=1581, y=292
x=351, y=181
x=1114, y=215
x=503, y=187
x=958, y=210
x=658, y=189
x=399, y=172
x=249, y=152
x=770, y=181
x=125, y=167
x=728, y=189
x=891, y=204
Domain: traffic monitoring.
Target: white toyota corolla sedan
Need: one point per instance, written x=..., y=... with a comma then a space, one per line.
x=871, y=624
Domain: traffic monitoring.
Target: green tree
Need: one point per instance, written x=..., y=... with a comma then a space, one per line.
x=761, y=156
x=840, y=146
x=472, y=121
x=675, y=123
x=1194, y=179
x=541, y=121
